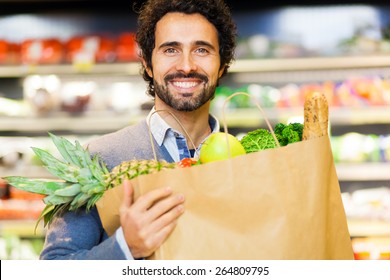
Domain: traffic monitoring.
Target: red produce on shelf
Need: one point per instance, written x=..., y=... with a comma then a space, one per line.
x=127, y=48
x=9, y=52
x=41, y=51
x=90, y=49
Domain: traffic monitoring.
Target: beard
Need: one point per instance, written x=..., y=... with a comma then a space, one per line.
x=180, y=104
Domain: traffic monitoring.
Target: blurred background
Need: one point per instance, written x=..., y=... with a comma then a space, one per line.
x=71, y=68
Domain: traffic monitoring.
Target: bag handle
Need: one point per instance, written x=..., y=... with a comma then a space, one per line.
x=178, y=121
x=227, y=100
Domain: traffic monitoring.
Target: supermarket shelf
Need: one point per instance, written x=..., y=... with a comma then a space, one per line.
x=363, y=115
x=104, y=122
x=87, y=123
x=363, y=171
x=15, y=71
x=358, y=228
x=239, y=66
x=337, y=116
x=310, y=63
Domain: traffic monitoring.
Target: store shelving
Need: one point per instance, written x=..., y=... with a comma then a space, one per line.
x=243, y=117
x=363, y=227
x=88, y=123
x=260, y=65
x=19, y=71
x=310, y=63
x=372, y=171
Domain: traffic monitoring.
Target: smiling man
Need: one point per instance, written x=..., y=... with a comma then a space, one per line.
x=186, y=47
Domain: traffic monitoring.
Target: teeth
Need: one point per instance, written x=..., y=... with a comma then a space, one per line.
x=185, y=84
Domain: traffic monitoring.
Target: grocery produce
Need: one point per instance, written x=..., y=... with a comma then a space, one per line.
x=261, y=139
x=187, y=162
x=315, y=125
x=290, y=133
x=220, y=146
x=41, y=51
x=84, y=179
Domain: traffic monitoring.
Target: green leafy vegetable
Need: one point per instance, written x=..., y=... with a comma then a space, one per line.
x=261, y=139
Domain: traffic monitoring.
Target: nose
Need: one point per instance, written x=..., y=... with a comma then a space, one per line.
x=186, y=64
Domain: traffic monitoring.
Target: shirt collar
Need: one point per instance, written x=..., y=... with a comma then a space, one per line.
x=160, y=128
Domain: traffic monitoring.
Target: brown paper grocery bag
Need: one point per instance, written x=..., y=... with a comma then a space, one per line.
x=281, y=204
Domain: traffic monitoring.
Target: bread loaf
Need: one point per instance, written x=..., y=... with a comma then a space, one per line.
x=316, y=116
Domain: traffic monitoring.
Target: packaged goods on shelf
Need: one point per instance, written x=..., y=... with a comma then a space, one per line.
x=368, y=204
x=13, y=108
x=356, y=148
x=75, y=97
x=371, y=248
x=42, y=93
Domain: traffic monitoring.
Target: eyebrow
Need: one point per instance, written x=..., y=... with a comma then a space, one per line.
x=197, y=43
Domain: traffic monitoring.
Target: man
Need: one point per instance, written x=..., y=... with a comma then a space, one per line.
x=186, y=47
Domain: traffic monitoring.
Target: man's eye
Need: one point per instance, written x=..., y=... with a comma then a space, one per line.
x=170, y=50
x=202, y=50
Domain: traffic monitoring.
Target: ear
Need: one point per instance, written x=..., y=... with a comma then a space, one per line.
x=220, y=72
x=148, y=70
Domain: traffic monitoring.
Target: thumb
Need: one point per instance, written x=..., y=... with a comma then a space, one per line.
x=127, y=194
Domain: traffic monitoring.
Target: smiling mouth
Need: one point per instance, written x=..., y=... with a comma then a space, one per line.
x=182, y=82
x=185, y=85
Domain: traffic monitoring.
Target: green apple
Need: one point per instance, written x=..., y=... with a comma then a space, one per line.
x=215, y=147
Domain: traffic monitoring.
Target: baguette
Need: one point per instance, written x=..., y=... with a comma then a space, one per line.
x=316, y=116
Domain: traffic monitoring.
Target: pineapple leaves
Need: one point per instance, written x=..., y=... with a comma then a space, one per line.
x=45, y=214
x=80, y=163
x=56, y=167
x=66, y=149
x=81, y=179
x=35, y=185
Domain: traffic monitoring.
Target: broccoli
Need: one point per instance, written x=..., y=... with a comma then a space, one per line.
x=287, y=134
x=278, y=129
x=259, y=139
x=298, y=127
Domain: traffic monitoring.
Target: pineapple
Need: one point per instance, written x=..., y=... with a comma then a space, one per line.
x=82, y=179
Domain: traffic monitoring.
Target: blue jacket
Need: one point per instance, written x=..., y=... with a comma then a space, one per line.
x=80, y=235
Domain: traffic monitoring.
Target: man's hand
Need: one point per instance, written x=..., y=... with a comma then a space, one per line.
x=148, y=221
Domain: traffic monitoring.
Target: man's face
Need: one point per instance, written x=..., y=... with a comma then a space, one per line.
x=185, y=61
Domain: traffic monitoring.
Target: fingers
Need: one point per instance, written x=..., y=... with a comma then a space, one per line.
x=146, y=201
x=159, y=230
x=148, y=220
x=165, y=205
x=167, y=222
x=127, y=194
x=161, y=235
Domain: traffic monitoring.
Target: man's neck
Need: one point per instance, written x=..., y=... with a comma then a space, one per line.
x=193, y=125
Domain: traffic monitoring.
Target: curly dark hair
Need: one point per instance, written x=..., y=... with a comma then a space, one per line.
x=215, y=11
